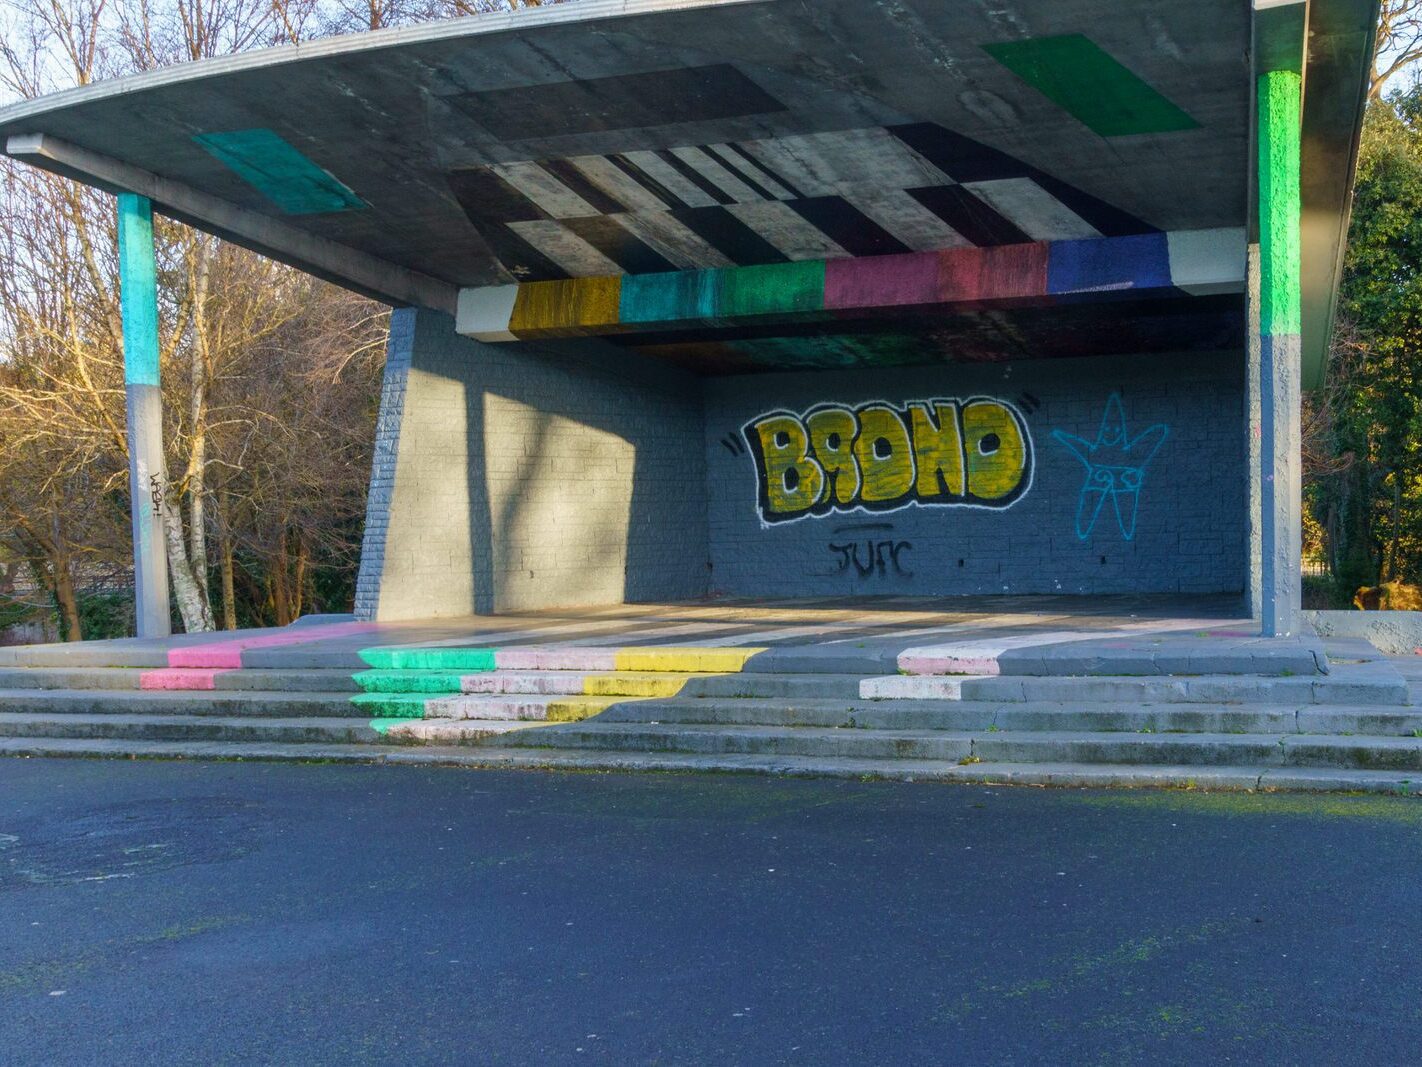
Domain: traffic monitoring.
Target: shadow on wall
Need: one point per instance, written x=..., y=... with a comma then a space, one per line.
x=553, y=474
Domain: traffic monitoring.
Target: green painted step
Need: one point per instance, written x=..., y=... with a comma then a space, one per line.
x=391, y=705
x=430, y=659
x=409, y=681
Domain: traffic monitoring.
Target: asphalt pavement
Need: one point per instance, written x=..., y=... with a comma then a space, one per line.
x=156, y=913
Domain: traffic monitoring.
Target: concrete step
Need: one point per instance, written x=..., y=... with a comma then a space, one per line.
x=1021, y=715
x=316, y=730
x=674, y=658
x=135, y=653
x=1259, y=750
x=415, y=706
x=1076, y=653
x=236, y=703
x=265, y=680
x=610, y=683
x=1077, y=775
x=1370, y=683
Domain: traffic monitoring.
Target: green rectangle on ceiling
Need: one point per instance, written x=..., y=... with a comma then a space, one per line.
x=281, y=173
x=1075, y=73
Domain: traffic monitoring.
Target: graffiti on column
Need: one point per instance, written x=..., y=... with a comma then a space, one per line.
x=878, y=457
x=1115, y=469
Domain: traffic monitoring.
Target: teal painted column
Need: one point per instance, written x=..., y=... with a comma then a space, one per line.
x=138, y=282
x=1279, y=104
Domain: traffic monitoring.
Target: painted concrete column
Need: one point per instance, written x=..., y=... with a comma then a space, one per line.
x=139, y=301
x=1279, y=102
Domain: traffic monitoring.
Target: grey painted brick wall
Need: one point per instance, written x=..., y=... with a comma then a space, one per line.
x=398, y=348
x=1190, y=534
x=529, y=476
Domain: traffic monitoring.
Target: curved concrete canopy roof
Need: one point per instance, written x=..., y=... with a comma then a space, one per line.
x=666, y=134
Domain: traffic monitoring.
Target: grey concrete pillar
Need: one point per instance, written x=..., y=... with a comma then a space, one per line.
x=146, y=471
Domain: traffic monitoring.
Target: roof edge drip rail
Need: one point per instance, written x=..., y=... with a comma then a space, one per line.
x=334, y=262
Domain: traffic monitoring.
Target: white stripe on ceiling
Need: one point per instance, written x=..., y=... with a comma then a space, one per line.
x=544, y=190
x=712, y=170
x=675, y=182
x=786, y=230
x=617, y=184
x=1032, y=209
x=733, y=159
x=908, y=220
x=844, y=161
x=565, y=248
x=675, y=241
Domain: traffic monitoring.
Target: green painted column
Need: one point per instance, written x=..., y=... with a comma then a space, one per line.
x=138, y=282
x=1279, y=103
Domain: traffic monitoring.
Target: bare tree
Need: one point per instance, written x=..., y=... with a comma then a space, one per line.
x=1398, y=42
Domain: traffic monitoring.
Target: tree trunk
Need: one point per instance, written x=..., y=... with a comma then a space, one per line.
x=279, y=573
x=64, y=595
x=67, y=600
x=224, y=548
x=196, y=477
x=298, y=582
x=191, y=597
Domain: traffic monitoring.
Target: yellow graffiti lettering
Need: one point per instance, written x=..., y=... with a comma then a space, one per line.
x=995, y=446
x=877, y=457
x=832, y=434
x=937, y=449
x=884, y=453
x=791, y=479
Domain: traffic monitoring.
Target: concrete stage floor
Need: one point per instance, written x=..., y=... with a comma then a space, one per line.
x=882, y=625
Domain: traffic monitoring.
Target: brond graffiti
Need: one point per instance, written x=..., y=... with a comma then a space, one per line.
x=878, y=457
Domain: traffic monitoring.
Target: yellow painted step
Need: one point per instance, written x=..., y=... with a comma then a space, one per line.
x=637, y=683
x=576, y=709
x=684, y=660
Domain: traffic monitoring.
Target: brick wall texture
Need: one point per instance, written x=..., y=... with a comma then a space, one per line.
x=522, y=476
x=1190, y=528
x=528, y=476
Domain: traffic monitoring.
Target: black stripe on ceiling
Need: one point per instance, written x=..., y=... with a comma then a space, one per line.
x=617, y=102
x=729, y=236
x=966, y=160
x=490, y=202
x=646, y=181
x=485, y=197
x=758, y=165
x=691, y=174
x=741, y=175
x=968, y=215
x=1109, y=221
x=578, y=182
x=847, y=226
x=519, y=258
x=959, y=157
x=626, y=250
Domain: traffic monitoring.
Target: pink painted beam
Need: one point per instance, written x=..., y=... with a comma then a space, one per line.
x=962, y=278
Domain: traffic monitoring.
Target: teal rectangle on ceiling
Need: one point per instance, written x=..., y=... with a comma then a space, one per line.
x=279, y=172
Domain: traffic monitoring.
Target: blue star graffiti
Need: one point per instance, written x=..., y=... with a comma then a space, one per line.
x=1115, y=469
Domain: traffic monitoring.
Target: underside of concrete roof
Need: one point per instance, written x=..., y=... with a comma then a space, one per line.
x=634, y=139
